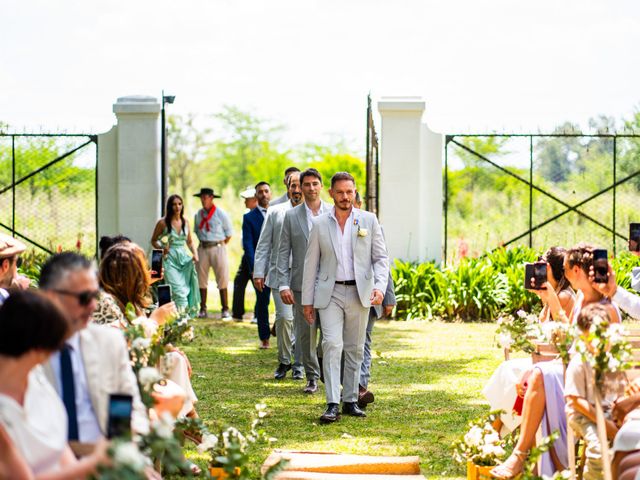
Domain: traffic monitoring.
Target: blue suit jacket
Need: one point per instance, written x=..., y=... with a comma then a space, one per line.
x=251, y=226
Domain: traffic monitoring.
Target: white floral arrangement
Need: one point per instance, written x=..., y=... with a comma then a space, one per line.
x=481, y=444
x=515, y=333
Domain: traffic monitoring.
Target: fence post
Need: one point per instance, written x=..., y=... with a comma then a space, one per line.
x=410, y=181
x=129, y=170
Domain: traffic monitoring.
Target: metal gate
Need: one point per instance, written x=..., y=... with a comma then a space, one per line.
x=48, y=194
x=372, y=172
x=539, y=190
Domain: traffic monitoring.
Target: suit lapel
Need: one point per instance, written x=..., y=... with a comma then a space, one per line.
x=332, y=224
x=302, y=220
x=354, y=230
x=90, y=357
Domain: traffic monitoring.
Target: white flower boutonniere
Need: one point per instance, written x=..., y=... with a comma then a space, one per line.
x=363, y=232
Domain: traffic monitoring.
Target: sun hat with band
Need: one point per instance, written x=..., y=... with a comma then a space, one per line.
x=10, y=246
x=207, y=191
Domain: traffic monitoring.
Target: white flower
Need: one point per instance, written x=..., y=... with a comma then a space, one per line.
x=149, y=326
x=521, y=313
x=492, y=450
x=474, y=437
x=164, y=426
x=141, y=343
x=189, y=335
x=209, y=442
x=505, y=340
x=148, y=376
x=492, y=438
x=128, y=454
x=183, y=321
x=616, y=333
x=362, y=232
x=613, y=364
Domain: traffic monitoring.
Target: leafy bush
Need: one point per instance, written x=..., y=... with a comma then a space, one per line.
x=477, y=289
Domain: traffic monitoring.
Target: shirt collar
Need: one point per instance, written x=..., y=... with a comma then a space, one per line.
x=332, y=212
x=74, y=342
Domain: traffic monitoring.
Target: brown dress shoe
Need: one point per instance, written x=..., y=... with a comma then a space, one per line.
x=365, y=397
x=264, y=344
x=311, y=388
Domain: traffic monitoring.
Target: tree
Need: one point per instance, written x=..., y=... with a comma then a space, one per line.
x=556, y=157
x=187, y=144
x=329, y=159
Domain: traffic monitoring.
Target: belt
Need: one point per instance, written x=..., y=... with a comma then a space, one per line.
x=210, y=244
x=346, y=282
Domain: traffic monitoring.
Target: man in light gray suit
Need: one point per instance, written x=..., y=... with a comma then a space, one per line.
x=346, y=271
x=285, y=198
x=293, y=246
x=265, y=273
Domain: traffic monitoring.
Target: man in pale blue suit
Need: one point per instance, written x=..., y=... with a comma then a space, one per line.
x=346, y=272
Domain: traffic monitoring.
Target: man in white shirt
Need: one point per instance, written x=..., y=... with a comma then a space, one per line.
x=293, y=246
x=94, y=361
x=345, y=273
x=626, y=300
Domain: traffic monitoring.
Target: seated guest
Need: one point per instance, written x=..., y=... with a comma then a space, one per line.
x=94, y=361
x=627, y=301
x=544, y=403
x=580, y=397
x=33, y=421
x=125, y=277
x=502, y=389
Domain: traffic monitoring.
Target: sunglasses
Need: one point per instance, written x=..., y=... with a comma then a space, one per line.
x=84, y=298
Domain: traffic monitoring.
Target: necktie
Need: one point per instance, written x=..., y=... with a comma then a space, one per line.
x=69, y=391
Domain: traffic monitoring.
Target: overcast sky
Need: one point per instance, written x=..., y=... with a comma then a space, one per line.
x=480, y=65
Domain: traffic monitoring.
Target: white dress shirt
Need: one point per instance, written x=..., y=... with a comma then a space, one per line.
x=38, y=428
x=627, y=301
x=345, y=271
x=88, y=426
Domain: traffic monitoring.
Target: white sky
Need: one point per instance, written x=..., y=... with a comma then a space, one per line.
x=481, y=65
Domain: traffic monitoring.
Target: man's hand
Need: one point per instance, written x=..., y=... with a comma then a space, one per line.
x=309, y=314
x=226, y=240
x=287, y=297
x=609, y=288
x=387, y=311
x=258, y=283
x=376, y=297
x=20, y=281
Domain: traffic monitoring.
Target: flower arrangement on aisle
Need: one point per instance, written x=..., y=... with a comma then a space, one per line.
x=516, y=332
x=481, y=445
x=229, y=449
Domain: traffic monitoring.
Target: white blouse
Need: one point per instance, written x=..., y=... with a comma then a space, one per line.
x=39, y=428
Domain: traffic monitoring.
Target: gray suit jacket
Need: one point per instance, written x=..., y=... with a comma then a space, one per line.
x=265, y=265
x=280, y=200
x=293, y=242
x=389, y=297
x=107, y=366
x=370, y=260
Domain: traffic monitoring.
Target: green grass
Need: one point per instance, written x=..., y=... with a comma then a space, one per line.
x=427, y=378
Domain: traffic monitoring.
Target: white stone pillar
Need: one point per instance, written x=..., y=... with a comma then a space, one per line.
x=129, y=172
x=410, y=181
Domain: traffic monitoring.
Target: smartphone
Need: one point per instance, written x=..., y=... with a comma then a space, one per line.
x=156, y=263
x=164, y=294
x=537, y=271
x=634, y=237
x=600, y=265
x=119, y=422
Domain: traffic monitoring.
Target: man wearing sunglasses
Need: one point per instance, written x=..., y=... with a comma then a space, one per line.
x=94, y=361
x=10, y=261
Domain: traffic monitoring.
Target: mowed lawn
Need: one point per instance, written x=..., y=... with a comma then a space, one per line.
x=427, y=378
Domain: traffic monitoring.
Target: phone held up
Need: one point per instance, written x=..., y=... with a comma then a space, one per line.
x=537, y=271
x=164, y=294
x=634, y=237
x=600, y=265
x=119, y=422
x=156, y=263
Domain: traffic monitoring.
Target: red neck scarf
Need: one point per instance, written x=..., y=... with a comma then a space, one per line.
x=205, y=219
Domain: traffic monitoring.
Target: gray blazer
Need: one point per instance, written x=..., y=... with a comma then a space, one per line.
x=293, y=243
x=370, y=260
x=280, y=200
x=389, y=297
x=265, y=265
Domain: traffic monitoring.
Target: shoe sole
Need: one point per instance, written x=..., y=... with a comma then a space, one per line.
x=326, y=421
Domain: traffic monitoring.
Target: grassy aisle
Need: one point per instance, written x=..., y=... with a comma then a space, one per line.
x=427, y=378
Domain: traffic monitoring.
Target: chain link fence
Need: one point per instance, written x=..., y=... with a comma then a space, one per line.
x=48, y=190
x=539, y=190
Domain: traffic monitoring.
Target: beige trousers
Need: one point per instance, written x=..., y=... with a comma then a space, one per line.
x=216, y=258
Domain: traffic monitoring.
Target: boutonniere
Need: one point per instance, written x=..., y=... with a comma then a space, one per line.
x=362, y=232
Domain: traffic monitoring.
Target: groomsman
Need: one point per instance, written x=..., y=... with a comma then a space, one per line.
x=346, y=271
x=285, y=198
x=265, y=274
x=293, y=246
x=251, y=226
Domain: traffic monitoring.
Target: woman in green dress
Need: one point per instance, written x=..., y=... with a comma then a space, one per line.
x=172, y=235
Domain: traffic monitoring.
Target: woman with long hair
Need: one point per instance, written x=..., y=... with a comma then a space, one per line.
x=503, y=387
x=172, y=234
x=544, y=398
x=125, y=277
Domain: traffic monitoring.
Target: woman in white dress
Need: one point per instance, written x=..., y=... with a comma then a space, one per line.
x=33, y=420
x=505, y=384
